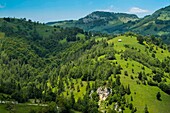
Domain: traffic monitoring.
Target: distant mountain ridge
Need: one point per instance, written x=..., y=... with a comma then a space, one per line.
x=107, y=17
x=98, y=21
x=108, y=22
x=157, y=24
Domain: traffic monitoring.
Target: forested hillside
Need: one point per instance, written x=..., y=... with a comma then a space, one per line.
x=70, y=70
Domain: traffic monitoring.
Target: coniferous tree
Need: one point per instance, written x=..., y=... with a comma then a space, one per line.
x=158, y=96
x=146, y=109
x=140, y=75
x=128, y=90
x=118, y=80
x=72, y=99
x=140, y=39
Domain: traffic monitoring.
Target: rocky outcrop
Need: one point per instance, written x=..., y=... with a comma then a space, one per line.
x=103, y=93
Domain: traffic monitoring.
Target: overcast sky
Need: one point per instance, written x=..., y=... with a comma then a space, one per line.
x=54, y=10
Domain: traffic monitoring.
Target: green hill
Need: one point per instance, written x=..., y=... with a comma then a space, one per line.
x=158, y=24
x=63, y=68
x=116, y=23
x=98, y=21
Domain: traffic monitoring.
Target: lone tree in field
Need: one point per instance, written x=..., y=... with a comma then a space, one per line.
x=140, y=76
x=146, y=109
x=125, y=73
x=158, y=96
x=140, y=39
x=128, y=90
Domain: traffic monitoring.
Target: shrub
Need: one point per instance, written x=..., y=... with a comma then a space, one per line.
x=158, y=96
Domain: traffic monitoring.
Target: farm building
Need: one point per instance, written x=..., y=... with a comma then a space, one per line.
x=119, y=40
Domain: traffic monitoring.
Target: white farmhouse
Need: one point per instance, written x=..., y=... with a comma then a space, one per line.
x=119, y=40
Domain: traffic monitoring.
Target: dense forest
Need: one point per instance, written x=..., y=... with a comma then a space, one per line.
x=64, y=68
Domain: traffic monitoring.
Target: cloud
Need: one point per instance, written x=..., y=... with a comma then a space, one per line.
x=137, y=10
x=2, y=6
x=109, y=9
